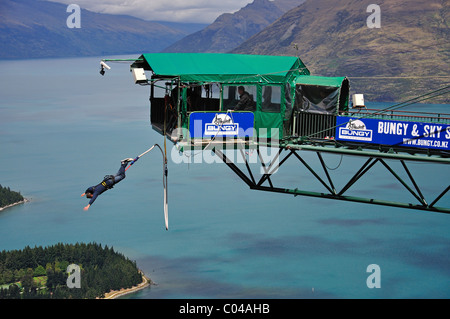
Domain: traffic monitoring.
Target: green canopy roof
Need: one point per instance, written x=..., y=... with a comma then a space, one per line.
x=320, y=81
x=221, y=67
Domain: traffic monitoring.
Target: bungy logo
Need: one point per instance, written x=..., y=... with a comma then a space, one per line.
x=356, y=130
x=222, y=125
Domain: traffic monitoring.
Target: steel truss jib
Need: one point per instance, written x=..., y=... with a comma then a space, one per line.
x=265, y=183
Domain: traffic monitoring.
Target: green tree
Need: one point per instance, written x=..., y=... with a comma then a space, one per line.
x=8, y=276
x=27, y=281
x=13, y=292
x=39, y=271
x=50, y=278
x=18, y=274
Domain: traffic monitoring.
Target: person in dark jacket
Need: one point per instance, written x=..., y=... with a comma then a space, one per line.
x=246, y=102
x=108, y=182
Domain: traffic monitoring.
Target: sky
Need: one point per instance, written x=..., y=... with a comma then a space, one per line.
x=193, y=11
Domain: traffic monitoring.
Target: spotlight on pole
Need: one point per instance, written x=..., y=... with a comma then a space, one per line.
x=103, y=67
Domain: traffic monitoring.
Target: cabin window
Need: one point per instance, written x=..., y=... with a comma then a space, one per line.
x=194, y=98
x=203, y=98
x=271, y=99
x=288, y=101
x=163, y=107
x=232, y=99
x=211, y=91
x=316, y=99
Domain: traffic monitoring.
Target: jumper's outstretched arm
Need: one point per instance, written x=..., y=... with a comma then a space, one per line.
x=89, y=205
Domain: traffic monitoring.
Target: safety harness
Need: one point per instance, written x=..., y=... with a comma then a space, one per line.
x=107, y=178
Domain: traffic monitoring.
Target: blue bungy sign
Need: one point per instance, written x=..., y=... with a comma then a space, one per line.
x=394, y=133
x=209, y=125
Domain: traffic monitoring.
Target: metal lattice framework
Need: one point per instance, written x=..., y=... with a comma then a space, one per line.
x=265, y=183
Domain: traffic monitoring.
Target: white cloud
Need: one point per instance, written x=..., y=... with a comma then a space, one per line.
x=197, y=11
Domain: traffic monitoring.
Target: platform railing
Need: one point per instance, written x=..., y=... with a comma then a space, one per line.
x=401, y=115
x=314, y=125
x=322, y=126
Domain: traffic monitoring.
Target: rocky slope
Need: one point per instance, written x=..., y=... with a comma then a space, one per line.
x=413, y=42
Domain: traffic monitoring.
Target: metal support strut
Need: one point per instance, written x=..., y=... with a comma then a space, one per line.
x=330, y=191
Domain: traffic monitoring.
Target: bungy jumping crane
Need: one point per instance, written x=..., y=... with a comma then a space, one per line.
x=192, y=97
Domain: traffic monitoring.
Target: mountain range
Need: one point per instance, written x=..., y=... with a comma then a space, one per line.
x=407, y=56
x=38, y=29
x=229, y=30
x=409, y=53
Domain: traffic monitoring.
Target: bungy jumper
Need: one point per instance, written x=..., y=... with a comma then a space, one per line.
x=110, y=180
x=192, y=102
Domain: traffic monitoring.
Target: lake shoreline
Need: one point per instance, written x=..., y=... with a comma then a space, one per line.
x=115, y=294
x=25, y=200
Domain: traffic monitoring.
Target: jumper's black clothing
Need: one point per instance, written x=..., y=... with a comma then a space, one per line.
x=107, y=184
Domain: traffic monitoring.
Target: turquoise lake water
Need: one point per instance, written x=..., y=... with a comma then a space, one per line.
x=63, y=127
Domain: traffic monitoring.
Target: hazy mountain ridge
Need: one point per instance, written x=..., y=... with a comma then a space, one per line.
x=37, y=29
x=229, y=30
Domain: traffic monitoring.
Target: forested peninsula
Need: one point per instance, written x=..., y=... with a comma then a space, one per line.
x=42, y=273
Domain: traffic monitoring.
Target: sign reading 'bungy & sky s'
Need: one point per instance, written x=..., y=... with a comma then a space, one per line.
x=395, y=133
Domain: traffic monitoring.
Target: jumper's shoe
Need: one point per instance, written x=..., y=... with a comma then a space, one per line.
x=127, y=160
